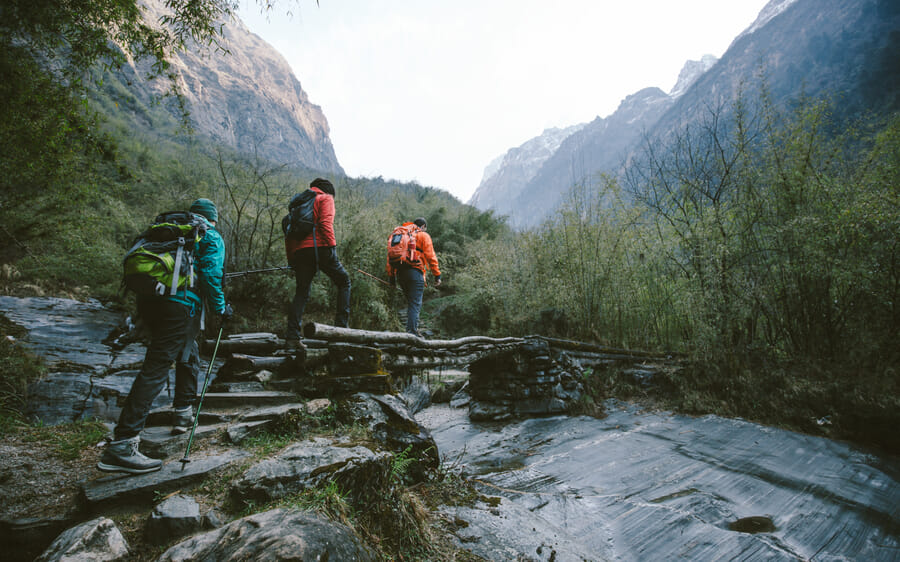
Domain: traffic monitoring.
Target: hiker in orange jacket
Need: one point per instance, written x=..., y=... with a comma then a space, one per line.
x=317, y=251
x=411, y=277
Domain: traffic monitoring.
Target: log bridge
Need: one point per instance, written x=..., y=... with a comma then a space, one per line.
x=508, y=377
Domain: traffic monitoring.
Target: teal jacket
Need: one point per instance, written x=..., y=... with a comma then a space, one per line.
x=209, y=269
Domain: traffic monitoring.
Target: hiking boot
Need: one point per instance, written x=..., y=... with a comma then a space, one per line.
x=182, y=420
x=124, y=456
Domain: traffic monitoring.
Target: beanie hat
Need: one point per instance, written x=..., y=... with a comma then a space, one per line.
x=206, y=208
x=420, y=222
x=324, y=185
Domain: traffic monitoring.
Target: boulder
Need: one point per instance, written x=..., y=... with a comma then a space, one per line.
x=356, y=470
x=396, y=430
x=177, y=517
x=93, y=541
x=277, y=535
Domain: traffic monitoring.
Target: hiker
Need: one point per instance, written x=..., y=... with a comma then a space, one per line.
x=410, y=273
x=174, y=322
x=311, y=253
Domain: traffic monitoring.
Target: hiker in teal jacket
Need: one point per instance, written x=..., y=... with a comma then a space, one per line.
x=174, y=322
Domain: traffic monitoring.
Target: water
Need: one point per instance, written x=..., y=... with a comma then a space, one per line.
x=641, y=485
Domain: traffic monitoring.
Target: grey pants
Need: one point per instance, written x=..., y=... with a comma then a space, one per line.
x=174, y=328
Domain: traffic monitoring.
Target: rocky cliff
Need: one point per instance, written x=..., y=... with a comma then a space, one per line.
x=246, y=98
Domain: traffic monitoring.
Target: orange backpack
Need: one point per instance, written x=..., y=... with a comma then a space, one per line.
x=402, y=246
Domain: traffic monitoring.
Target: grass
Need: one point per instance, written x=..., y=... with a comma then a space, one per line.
x=67, y=440
x=18, y=368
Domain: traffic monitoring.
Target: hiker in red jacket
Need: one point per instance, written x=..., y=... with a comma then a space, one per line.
x=411, y=276
x=317, y=251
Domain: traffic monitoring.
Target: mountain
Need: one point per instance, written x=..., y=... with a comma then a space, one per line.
x=518, y=166
x=530, y=180
x=246, y=98
x=847, y=50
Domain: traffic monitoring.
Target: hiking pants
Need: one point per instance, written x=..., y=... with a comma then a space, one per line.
x=174, y=328
x=412, y=281
x=304, y=265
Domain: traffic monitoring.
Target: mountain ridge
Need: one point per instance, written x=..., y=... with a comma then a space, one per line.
x=848, y=51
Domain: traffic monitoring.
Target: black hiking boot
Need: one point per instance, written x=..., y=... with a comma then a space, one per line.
x=182, y=420
x=124, y=456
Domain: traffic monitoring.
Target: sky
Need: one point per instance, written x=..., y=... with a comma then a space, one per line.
x=432, y=91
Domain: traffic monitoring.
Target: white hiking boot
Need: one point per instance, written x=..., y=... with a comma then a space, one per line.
x=124, y=456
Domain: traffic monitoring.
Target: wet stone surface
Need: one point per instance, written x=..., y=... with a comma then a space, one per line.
x=88, y=378
x=658, y=486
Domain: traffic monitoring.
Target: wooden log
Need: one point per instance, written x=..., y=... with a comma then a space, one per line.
x=570, y=345
x=368, y=337
x=257, y=344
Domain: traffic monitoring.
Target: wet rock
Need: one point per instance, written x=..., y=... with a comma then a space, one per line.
x=416, y=395
x=95, y=540
x=639, y=485
x=446, y=390
x=177, y=517
x=461, y=397
x=396, y=429
x=357, y=470
x=64, y=331
x=64, y=397
x=276, y=535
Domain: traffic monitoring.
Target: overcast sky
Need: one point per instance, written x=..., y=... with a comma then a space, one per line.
x=433, y=90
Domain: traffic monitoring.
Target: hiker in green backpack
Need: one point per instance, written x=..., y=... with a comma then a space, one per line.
x=174, y=322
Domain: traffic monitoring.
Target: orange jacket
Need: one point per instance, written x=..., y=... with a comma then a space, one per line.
x=425, y=255
x=323, y=212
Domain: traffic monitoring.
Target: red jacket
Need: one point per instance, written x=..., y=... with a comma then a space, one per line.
x=425, y=255
x=323, y=213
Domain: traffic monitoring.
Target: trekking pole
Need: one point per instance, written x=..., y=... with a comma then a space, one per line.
x=379, y=279
x=242, y=273
x=212, y=359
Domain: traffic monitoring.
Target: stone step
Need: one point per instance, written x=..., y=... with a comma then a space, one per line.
x=247, y=399
x=118, y=489
x=220, y=387
x=162, y=417
x=159, y=443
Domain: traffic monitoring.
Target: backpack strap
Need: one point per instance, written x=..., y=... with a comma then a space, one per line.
x=177, y=268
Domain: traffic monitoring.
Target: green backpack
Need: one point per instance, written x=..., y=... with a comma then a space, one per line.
x=161, y=259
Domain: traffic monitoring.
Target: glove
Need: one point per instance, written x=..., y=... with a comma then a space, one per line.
x=225, y=315
x=437, y=281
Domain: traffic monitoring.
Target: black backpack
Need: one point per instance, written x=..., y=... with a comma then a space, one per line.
x=300, y=220
x=161, y=259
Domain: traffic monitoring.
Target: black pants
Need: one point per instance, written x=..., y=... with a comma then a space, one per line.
x=174, y=328
x=304, y=264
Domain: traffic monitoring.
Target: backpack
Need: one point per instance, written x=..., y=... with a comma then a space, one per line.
x=162, y=257
x=300, y=220
x=402, y=246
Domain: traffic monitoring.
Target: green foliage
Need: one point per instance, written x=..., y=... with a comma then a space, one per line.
x=18, y=369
